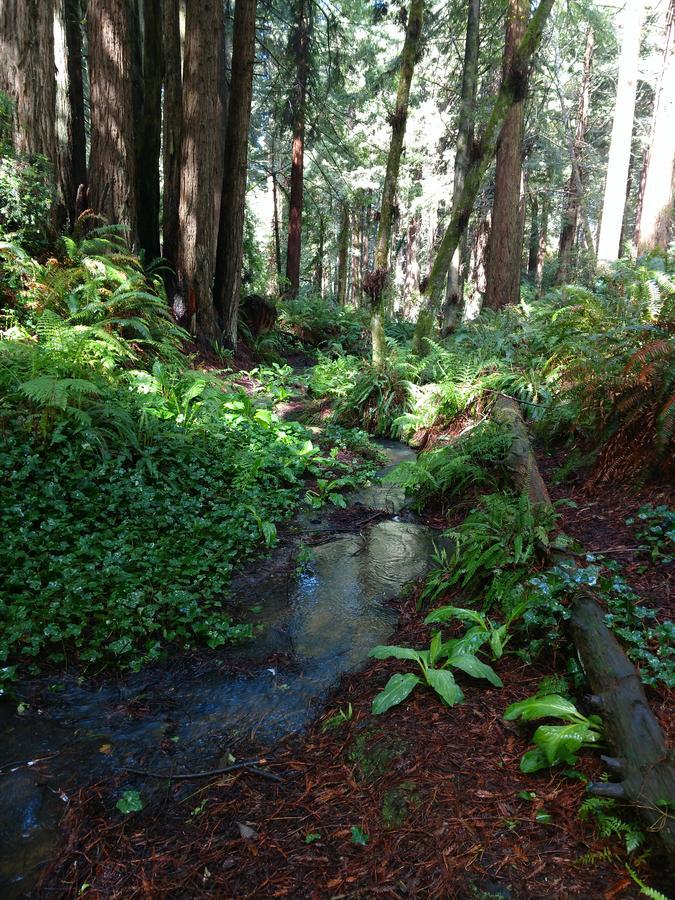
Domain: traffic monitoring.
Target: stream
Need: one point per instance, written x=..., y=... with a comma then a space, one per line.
x=319, y=621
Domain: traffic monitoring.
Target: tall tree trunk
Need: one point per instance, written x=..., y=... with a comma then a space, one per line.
x=150, y=131
x=355, y=292
x=622, y=130
x=233, y=204
x=512, y=91
x=301, y=40
x=112, y=176
x=318, y=265
x=343, y=253
x=398, y=121
x=465, y=132
x=655, y=223
x=198, y=188
x=71, y=136
x=172, y=124
x=533, y=246
x=506, y=237
x=543, y=240
x=570, y=218
x=275, y=226
x=32, y=83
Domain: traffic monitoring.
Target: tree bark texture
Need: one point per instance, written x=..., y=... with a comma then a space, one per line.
x=511, y=91
x=465, y=135
x=609, y=242
x=301, y=41
x=570, y=217
x=506, y=237
x=655, y=222
x=198, y=187
x=398, y=121
x=150, y=131
x=233, y=203
x=172, y=124
x=112, y=163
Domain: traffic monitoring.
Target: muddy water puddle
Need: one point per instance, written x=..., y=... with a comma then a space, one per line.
x=318, y=621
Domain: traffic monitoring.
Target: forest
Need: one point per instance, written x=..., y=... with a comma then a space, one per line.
x=337, y=417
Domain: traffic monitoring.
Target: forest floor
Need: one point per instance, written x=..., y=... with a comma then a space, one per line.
x=424, y=802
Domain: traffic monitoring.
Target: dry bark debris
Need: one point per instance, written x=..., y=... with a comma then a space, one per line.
x=453, y=774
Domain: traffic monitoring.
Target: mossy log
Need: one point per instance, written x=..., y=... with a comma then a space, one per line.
x=640, y=757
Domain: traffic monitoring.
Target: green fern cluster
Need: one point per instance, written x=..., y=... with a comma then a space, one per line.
x=495, y=547
x=474, y=460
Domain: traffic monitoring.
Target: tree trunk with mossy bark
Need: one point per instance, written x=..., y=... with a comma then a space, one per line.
x=510, y=92
x=506, y=236
x=398, y=121
x=465, y=129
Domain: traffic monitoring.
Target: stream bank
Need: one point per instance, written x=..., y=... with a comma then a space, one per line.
x=321, y=601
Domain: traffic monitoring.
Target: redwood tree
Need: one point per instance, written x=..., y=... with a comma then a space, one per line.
x=198, y=188
x=301, y=39
x=112, y=162
x=506, y=237
x=172, y=122
x=233, y=202
x=150, y=130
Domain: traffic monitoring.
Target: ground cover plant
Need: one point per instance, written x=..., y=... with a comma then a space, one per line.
x=131, y=485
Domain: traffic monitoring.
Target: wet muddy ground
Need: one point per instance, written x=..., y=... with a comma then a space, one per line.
x=321, y=601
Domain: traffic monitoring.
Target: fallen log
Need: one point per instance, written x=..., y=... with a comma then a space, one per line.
x=641, y=758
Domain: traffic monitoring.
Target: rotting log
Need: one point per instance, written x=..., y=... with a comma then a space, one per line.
x=641, y=757
x=521, y=460
x=643, y=762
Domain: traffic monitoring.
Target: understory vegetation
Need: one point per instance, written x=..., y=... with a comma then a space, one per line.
x=132, y=484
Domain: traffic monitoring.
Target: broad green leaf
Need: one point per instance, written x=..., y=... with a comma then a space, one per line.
x=435, y=648
x=474, y=667
x=559, y=741
x=496, y=644
x=448, y=613
x=472, y=641
x=540, y=707
x=395, y=691
x=533, y=761
x=445, y=685
x=385, y=651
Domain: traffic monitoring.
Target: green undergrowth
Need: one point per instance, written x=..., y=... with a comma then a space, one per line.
x=131, y=486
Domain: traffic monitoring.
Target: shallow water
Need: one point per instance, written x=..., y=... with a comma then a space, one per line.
x=319, y=623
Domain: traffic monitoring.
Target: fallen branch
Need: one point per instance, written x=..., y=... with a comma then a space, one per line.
x=250, y=765
x=641, y=757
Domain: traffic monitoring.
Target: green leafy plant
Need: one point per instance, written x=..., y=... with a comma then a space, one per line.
x=555, y=744
x=505, y=532
x=129, y=802
x=434, y=665
x=657, y=531
x=483, y=630
x=608, y=822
